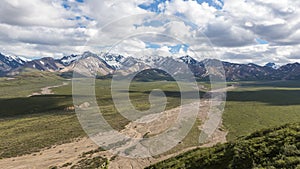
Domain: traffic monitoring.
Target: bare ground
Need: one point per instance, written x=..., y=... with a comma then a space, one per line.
x=47, y=90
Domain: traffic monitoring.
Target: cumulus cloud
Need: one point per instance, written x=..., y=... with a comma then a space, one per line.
x=106, y=11
x=35, y=13
x=225, y=33
x=42, y=27
x=234, y=28
x=275, y=21
x=199, y=14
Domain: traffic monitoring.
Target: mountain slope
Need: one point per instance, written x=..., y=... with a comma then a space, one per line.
x=44, y=64
x=8, y=63
x=86, y=63
x=289, y=71
x=271, y=148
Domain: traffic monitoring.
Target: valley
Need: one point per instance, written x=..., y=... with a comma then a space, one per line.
x=33, y=130
x=150, y=84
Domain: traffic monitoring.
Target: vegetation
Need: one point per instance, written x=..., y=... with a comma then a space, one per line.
x=271, y=148
x=27, y=82
x=90, y=153
x=153, y=75
x=254, y=106
x=92, y=163
x=30, y=134
x=29, y=124
x=251, y=107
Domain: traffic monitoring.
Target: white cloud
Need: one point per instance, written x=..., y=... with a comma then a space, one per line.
x=35, y=13
x=42, y=28
x=199, y=14
x=274, y=21
x=106, y=11
x=260, y=54
x=46, y=28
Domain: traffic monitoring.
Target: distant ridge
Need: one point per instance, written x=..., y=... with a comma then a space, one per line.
x=110, y=63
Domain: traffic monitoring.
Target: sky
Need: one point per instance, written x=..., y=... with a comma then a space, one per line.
x=241, y=31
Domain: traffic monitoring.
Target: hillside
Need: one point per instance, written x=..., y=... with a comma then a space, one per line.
x=270, y=148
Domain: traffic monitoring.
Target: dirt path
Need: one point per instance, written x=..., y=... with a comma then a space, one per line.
x=47, y=90
x=71, y=152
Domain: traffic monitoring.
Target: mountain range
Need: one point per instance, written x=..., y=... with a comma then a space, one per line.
x=107, y=64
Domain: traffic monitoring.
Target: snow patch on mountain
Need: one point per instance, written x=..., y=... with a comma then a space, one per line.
x=114, y=60
x=272, y=65
x=10, y=59
x=67, y=60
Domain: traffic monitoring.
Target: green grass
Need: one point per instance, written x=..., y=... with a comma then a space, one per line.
x=250, y=108
x=92, y=163
x=37, y=122
x=23, y=119
x=30, y=134
x=139, y=97
x=279, y=83
x=26, y=83
x=12, y=107
x=272, y=148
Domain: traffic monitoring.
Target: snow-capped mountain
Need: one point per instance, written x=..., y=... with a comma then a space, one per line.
x=188, y=60
x=87, y=61
x=115, y=61
x=8, y=63
x=107, y=63
x=44, y=64
x=272, y=65
x=67, y=60
x=14, y=61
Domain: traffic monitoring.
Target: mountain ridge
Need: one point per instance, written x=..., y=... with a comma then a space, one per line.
x=108, y=63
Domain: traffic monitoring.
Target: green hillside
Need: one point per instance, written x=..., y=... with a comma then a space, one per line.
x=270, y=148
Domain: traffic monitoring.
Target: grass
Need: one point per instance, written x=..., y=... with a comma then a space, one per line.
x=30, y=134
x=28, y=124
x=26, y=83
x=251, y=107
x=279, y=83
x=139, y=97
x=272, y=148
x=91, y=163
x=12, y=107
x=37, y=122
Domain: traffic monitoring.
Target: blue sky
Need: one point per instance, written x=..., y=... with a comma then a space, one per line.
x=261, y=41
x=154, y=5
